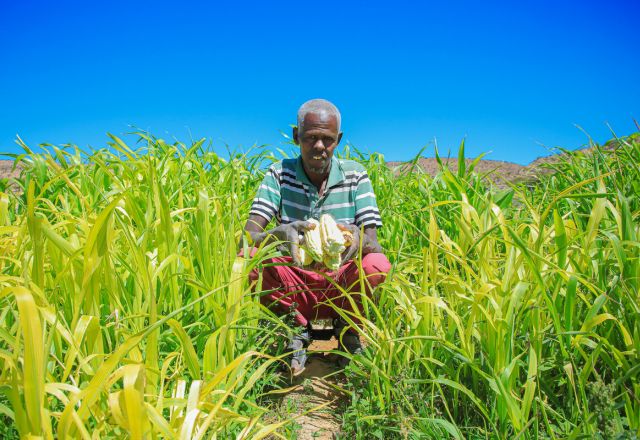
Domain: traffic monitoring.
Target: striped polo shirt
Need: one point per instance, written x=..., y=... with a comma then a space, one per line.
x=287, y=194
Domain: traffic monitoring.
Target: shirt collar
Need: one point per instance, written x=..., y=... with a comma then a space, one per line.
x=336, y=175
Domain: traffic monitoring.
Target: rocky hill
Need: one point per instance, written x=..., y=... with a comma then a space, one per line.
x=497, y=169
x=6, y=169
x=501, y=172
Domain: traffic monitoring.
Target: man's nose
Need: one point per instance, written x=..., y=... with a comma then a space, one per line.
x=319, y=145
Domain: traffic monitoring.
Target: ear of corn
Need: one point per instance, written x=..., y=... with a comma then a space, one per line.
x=313, y=241
x=325, y=243
x=332, y=238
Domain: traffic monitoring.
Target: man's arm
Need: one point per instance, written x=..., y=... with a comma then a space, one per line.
x=370, y=243
x=255, y=228
x=288, y=234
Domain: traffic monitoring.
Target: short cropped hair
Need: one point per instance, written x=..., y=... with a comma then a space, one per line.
x=317, y=106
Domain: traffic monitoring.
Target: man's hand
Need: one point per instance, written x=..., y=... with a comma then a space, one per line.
x=355, y=242
x=289, y=235
x=369, y=241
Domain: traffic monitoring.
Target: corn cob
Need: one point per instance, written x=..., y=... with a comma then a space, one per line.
x=313, y=241
x=332, y=238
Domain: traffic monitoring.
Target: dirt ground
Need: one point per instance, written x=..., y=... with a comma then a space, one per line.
x=317, y=385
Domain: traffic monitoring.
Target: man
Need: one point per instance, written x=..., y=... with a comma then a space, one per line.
x=296, y=190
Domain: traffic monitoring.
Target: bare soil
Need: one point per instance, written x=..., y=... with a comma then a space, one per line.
x=318, y=385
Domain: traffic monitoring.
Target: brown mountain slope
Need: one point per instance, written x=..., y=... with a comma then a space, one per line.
x=497, y=169
x=5, y=169
x=500, y=171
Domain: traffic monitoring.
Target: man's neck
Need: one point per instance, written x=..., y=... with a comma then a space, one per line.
x=319, y=180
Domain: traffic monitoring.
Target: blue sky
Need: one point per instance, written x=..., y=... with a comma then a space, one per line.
x=512, y=78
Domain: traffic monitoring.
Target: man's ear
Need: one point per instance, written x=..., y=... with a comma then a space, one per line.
x=339, y=138
x=295, y=136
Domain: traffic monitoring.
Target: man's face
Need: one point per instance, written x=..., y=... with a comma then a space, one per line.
x=317, y=140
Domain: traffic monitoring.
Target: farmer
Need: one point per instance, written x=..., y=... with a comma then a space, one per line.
x=295, y=190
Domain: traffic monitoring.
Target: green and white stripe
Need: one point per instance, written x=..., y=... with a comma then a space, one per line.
x=287, y=194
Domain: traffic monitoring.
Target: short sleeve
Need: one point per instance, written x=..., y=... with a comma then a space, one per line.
x=267, y=201
x=367, y=213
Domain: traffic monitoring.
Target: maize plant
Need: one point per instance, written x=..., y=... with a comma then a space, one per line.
x=508, y=313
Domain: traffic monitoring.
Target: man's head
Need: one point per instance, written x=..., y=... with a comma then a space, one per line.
x=318, y=134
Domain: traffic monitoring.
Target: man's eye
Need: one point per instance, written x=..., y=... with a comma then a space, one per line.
x=328, y=140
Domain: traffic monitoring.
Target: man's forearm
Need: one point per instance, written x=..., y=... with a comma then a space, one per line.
x=255, y=228
x=257, y=237
x=288, y=234
x=370, y=244
x=371, y=248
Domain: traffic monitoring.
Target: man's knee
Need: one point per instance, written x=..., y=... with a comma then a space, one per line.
x=376, y=267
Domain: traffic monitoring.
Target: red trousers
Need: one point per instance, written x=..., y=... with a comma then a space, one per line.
x=309, y=292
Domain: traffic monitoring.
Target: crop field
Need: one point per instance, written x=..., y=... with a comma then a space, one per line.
x=125, y=312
